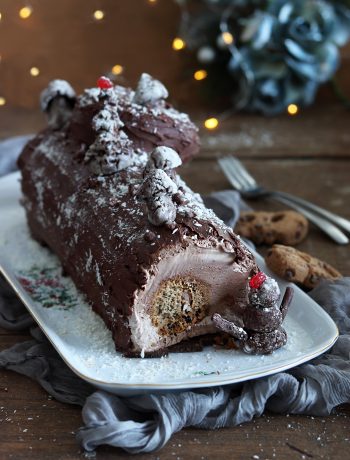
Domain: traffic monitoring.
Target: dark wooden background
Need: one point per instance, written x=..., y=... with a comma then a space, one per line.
x=308, y=154
x=63, y=40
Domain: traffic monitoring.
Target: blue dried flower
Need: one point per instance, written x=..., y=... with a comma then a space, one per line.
x=343, y=14
x=270, y=85
x=289, y=49
x=307, y=31
x=283, y=49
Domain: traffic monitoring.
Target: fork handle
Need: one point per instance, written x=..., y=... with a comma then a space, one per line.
x=337, y=220
x=325, y=225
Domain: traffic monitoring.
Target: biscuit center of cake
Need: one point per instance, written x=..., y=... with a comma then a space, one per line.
x=178, y=304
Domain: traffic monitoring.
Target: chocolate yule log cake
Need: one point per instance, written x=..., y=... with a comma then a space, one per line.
x=100, y=190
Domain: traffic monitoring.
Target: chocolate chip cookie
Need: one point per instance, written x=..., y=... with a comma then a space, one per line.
x=299, y=267
x=285, y=227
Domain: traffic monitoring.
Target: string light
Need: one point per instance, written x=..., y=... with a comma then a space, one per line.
x=117, y=69
x=200, y=74
x=0, y=16
x=34, y=71
x=25, y=12
x=152, y=1
x=211, y=123
x=99, y=15
x=178, y=44
x=2, y=101
x=227, y=38
x=292, y=109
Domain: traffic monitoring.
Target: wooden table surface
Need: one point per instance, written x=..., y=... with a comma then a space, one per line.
x=306, y=155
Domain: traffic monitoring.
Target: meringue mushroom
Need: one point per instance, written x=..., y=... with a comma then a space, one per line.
x=149, y=90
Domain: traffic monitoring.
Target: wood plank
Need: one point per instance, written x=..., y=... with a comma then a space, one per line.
x=33, y=426
x=321, y=131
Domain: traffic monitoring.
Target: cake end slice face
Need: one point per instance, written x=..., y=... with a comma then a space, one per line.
x=186, y=287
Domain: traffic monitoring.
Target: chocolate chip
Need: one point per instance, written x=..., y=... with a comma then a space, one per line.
x=247, y=218
x=277, y=217
x=289, y=273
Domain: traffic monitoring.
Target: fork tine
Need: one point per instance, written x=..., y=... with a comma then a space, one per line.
x=226, y=169
x=241, y=169
x=228, y=166
x=234, y=168
x=229, y=171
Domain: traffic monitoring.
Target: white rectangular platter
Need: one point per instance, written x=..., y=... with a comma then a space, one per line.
x=86, y=345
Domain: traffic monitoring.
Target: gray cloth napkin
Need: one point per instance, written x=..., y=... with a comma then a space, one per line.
x=145, y=423
x=9, y=151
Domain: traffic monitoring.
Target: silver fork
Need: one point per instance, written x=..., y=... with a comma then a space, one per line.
x=243, y=182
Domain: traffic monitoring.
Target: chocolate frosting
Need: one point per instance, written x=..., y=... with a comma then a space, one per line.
x=147, y=126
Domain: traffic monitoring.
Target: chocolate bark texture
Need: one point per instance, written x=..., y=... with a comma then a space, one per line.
x=100, y=189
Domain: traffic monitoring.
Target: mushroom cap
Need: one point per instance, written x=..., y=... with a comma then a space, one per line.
x=149, y=90
x=163, y=158
x=55, y=89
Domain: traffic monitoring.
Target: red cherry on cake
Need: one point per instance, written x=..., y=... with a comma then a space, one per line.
x=104, y=83
x=257, y=280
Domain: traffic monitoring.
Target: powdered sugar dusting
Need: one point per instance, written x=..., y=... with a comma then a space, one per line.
x=89, y=96
x=87, y=344
x=195, y=206
x=98, y=275
x=159, y=108
x=112, y=150
x=267, y=295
